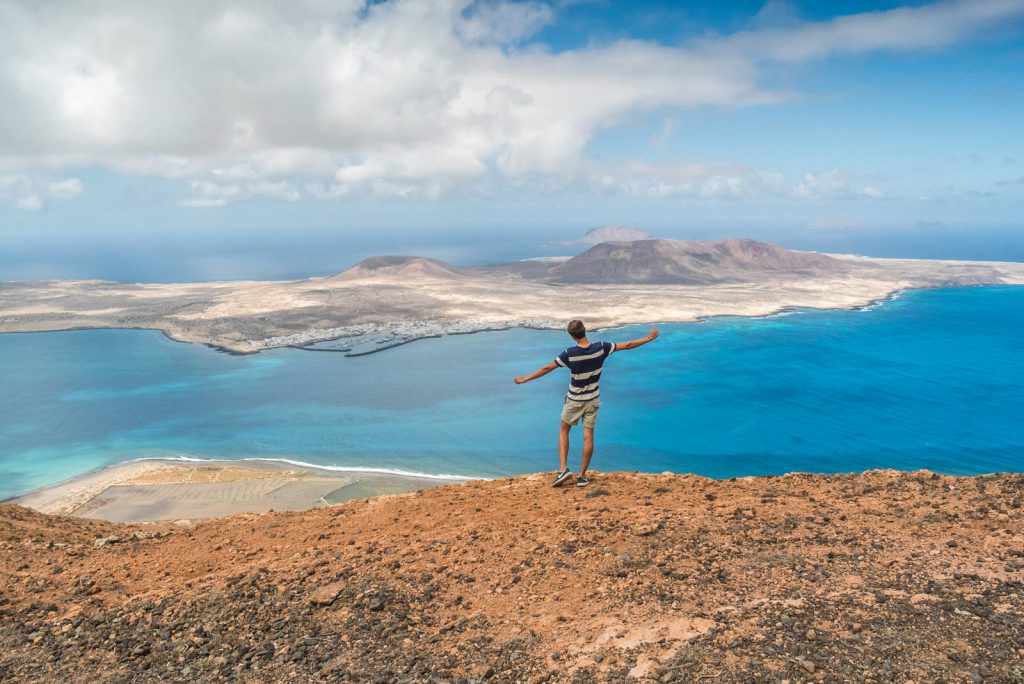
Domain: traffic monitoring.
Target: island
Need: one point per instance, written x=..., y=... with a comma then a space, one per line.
x=402, y=298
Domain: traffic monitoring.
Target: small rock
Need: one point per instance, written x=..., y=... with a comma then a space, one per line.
x=807, y=665
x=648, y=529
x=326, y=595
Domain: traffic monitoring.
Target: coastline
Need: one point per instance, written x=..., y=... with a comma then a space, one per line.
x=81, y=494
x=383, y=308
x=186, y=490
x=163, y=489
x=396, y=333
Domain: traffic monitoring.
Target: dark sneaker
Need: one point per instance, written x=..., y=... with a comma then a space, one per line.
x=582, y=481
x=561, y=477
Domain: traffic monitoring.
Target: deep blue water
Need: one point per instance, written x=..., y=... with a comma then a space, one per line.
x=933, y=379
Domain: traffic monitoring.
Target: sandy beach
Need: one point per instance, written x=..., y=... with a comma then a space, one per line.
x=161, y=490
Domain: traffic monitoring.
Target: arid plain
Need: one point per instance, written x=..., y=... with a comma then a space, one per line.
x=404, y=298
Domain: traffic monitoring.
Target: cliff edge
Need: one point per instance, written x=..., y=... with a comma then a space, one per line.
x=883, y=576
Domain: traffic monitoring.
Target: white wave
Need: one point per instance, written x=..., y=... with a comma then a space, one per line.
x=304, y=464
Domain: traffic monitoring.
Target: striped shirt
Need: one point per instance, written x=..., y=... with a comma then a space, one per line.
x=584, y=364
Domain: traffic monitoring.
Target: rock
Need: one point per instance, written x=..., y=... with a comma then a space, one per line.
x=325, y=595
x=807, y=665
x=647, y=529
x=103, y=541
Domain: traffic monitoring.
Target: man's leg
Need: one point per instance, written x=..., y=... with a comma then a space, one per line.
x=588, y=448
x=563, y=446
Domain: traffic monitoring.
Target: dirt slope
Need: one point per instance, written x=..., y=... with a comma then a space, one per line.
x=876, y=577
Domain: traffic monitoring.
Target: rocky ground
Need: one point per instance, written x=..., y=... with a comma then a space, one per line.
x=877, y=577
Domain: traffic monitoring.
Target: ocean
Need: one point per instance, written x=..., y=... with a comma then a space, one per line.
x=929, y=379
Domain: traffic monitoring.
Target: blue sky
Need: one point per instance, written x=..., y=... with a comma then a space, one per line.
x=225, y=135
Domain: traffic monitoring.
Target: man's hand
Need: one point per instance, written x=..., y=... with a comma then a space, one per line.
x=639, y=342
x=520, y=379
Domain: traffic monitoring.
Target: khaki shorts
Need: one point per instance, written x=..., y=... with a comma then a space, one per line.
x=572, y=411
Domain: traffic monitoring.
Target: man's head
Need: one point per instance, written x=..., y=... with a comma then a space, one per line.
x=576, y=329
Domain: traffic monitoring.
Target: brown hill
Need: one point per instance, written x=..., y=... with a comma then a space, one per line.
x=398, y=267
x=688, y=262
x=876, y=577
x=613, y=234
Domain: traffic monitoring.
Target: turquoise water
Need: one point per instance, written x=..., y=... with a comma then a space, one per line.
x=933, y=379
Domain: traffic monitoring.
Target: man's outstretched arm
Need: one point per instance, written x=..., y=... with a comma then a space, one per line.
x=543, y=370
x=633, y=344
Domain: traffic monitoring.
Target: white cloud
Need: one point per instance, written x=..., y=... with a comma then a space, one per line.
x=504, y=22
x=407, y=97
x=64, y=189
x=31, y=191
x=687, y=179
x=904, y=28
x=211, y=194
x=660, y=139
x=834, y=184
x=29, y=203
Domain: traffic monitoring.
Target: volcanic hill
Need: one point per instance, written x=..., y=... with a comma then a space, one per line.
x=876, y=577
x=689, y=262
x=397, y=267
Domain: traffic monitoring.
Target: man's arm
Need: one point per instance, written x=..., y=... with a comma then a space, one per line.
x=543, y=370
x=633, y=344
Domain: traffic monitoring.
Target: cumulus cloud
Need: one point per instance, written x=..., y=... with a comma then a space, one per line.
x=262, y=98
x=714, y=180
x=834, y=184
x=31, y=191
x=212, y=194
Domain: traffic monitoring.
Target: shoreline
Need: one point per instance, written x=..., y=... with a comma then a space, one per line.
x=444, y=329
x=384, y=307
x=163, y=489
x=185, y=489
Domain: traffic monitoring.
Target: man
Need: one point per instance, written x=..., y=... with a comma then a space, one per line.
x=584, y=361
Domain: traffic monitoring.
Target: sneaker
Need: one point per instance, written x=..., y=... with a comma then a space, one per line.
x=582, y=481
x=561, y=477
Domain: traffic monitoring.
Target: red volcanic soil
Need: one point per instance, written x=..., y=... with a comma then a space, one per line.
x=877, y=577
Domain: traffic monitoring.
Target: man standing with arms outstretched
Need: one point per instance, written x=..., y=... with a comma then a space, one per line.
x=584, y=361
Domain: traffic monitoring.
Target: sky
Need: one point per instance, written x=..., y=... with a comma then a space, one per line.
x=225, y=139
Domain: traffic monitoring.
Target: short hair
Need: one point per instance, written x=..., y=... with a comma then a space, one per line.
x=576, y=329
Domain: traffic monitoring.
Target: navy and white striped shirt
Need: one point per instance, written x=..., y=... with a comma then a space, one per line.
x=584, y=364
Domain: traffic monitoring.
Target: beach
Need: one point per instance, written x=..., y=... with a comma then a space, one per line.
x=176, y=490
x=929, y=379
